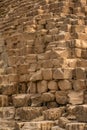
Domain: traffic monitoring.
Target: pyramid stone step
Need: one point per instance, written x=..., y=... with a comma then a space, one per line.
x=57, y=128
x=53, y=113
x=21, y=100
x=76, y=126
x=7, y=113
x=42, y=125
x=28, y=113
x=8, y=125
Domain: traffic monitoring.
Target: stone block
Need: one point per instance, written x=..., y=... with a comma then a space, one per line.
x=42, y=86
x=47, y=97
x=53, y=113
x=52, y=85
x=61, y=97
x=36, y=76
x=9, y=89
x=63, y=121
x=47, y=74
x=21, y=100
x=58, y=73
x=28, y=113
x=32, y=88
x=36, y=100
x=76, y=98
x=75, y=126
x=81, y=113
x=80, y=73
x=79, y=85
x=64, y=85
x=3, y=101
x=7, y=113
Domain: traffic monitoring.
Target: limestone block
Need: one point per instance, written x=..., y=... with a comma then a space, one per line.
x=36, y=100
x=52, y=104
x=79, y=85
x=57, y=128
x=9, y=89
x=63, y=121
x=75, y=98
x=58, y=73
x=52, y=85
x=81, y=113
x=36, y=76
x=48, y=38
x=40, y=125
x=81, y=36
x=82, y=63
x=75, y=126
x=7, y=112
x=80, y=73
x=21, y=100
x=67, y=73
x=3, y=101
x=63, y=35
x=47, y=64
x=47, y=97
x=32, y=87
x=78, y=28
x=53, y=113
x=23, y=69
x=64, y=85
x=84, y=54
x=28, y=113
x=61, y=97
x=78, y=53
x=13, y=78
x=42, y=86
x=8, y=125
x=47, y=74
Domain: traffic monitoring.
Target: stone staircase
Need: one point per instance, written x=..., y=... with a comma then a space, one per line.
x=43, y=65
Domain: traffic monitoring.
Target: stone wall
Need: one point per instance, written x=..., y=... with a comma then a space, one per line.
x=43, y=52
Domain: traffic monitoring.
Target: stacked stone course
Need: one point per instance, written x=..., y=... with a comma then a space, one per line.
x=43, y=65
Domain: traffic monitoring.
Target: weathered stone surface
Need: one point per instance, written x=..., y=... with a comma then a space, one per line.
x=47, y=97
x=75, y=126
x=42, y=86
x=7, y=113
x=81, y=113
x=43, y=62
x=47, y=125
x=3, y=101
x=64, y=85
x=28, y=113
x=61, y=97
x=21, y=100
x=47, y=74
x=52, y=85
x=75, y=97
x=53, y=113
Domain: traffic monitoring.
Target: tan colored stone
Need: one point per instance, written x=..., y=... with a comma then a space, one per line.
x=47, y=97
x=21, y=100
x=47, y=74
x=42, y=86
x=36, y=76
x=52, y=85
x=3, y=101
x=53, y=113
x=64, y=85
x=75, y=98
x=61, y=97
x=79, y=85
x=32, y=88
x=58, y=73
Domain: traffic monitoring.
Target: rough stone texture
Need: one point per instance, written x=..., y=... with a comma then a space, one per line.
x=43, y=63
